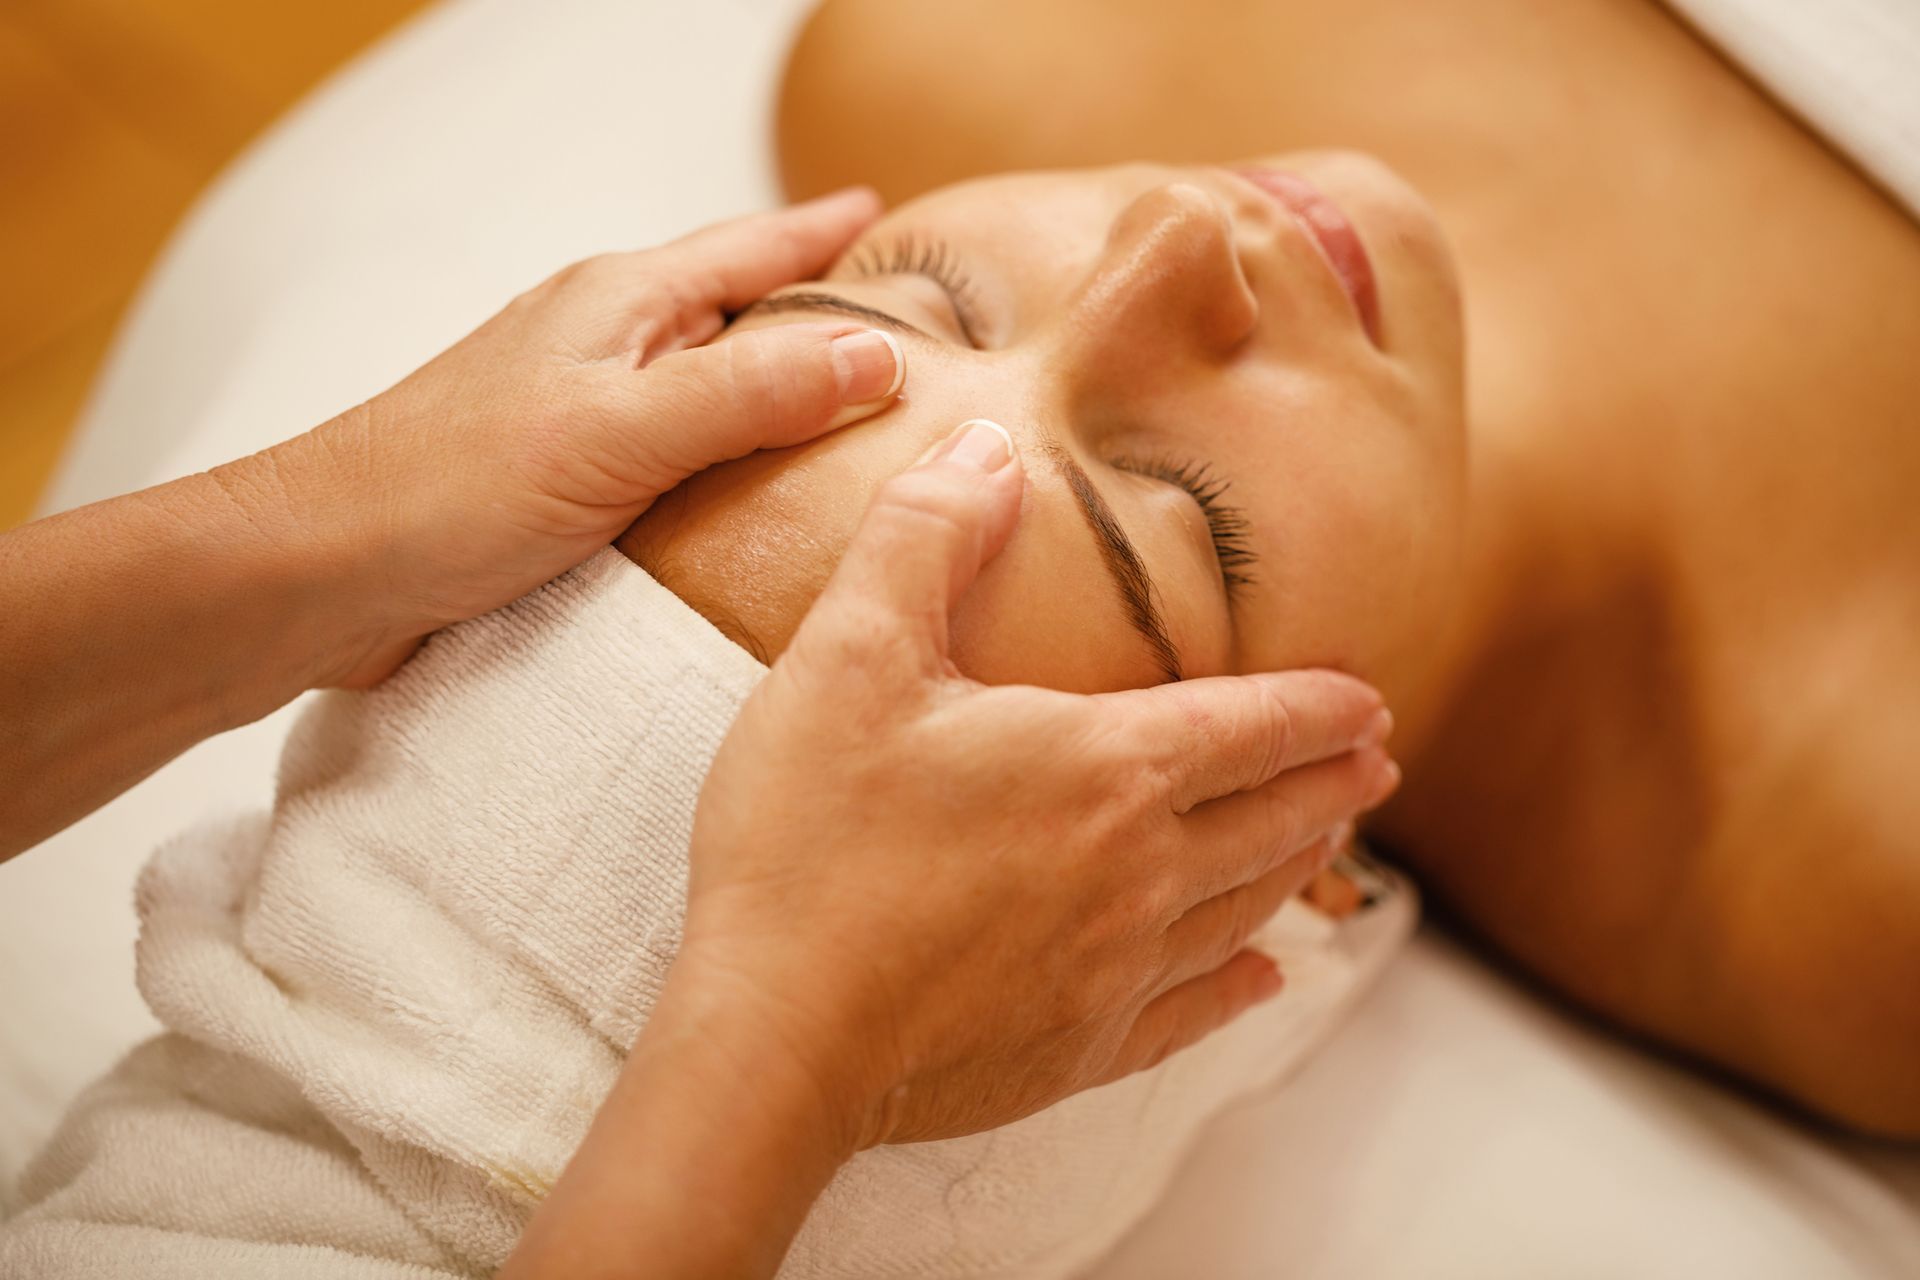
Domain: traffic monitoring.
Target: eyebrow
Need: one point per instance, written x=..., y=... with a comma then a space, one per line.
x=815, y=300
x=1128, y=570
x=1124, y=565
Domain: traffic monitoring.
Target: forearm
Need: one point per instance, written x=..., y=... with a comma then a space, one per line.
x=703, y=1162
x=135, y=627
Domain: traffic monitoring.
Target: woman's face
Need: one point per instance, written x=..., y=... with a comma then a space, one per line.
x=1231, y=438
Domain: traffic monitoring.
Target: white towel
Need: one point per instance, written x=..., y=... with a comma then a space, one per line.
x=395, y=1003
x=1849, y=68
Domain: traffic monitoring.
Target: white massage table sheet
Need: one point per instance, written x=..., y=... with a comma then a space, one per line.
x=1458, y=1127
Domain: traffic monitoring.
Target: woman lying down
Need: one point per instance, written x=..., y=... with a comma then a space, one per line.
x=1645, y=604
x=1659, y=713
x=395, y=1003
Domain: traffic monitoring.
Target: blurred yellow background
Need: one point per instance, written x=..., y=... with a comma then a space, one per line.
x=114, y=114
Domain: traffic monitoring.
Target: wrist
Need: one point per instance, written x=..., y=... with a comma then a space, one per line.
x=826, y=1032
x=704, y=1160
x=807, y=1095
x=317, y=558
x=140, y=625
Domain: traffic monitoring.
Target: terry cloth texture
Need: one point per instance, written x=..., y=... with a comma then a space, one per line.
x=395, y=1002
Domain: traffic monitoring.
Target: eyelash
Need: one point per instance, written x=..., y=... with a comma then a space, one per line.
x=935, y=259
x=911, y=255
x=1231, y=531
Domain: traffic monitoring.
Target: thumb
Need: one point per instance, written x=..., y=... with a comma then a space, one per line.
x=921, y=544
x=760, y=389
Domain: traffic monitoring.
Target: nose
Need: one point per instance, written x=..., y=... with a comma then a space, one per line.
x=1168, y=287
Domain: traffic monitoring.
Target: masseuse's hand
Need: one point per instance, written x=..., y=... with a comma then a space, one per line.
x=535, y=440
x=920, y=907
x=960, y=904
x=134, y=627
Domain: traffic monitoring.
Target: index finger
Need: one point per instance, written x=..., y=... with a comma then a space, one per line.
x=1222, y=734
x=734, y=263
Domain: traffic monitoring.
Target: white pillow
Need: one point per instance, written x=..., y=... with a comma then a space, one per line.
x=1457, y=1128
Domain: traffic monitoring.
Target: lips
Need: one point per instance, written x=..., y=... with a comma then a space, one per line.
x=1339, y=243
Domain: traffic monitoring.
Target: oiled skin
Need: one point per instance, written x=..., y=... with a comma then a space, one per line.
x=1664, y=756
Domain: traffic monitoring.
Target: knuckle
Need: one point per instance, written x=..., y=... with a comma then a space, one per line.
x=1141, y=764
x=920, y=506
x=1113, y=935
x=1280, y=821
x=750, y=377
x=1197, y=715
x=594, y=272
x=785, y=245
x=1167, y=1036
x=1111, y=927
x=1205, y=947
x=864, y=637
x=1277, y=736
x=565, y=276
x=1242, y=920
x=772, y=382
x=1151, y=903
x=1088, y=1004
x=646, y=297
x=1129, y=829
x=679, y=274
x=713, y=388
x=1072, y=1006
x=921, y=487
x=533, y=298
x=1121, y=752
x=694, y=286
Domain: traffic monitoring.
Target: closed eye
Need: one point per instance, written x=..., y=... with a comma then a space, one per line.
x=912, y=255
x=1227, y=525
x=814, y=300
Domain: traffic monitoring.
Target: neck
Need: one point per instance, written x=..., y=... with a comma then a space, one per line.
x=1547, y=533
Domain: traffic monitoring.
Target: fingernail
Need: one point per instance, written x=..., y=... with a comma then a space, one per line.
x=1378, y=730
x=1270, y=985
x=978, y=443
x=868, y=365
x=1385, y=783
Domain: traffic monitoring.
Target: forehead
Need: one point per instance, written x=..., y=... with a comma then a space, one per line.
x=1052, y=216
x=1045, y=611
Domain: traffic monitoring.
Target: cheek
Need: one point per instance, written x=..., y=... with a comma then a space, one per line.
x=1363, y=552
x=751, y=543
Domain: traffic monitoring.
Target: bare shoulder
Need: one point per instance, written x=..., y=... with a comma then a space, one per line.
x=1690, y=802
x=1696, y=816
x=1811, y=880
x=909, y=97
